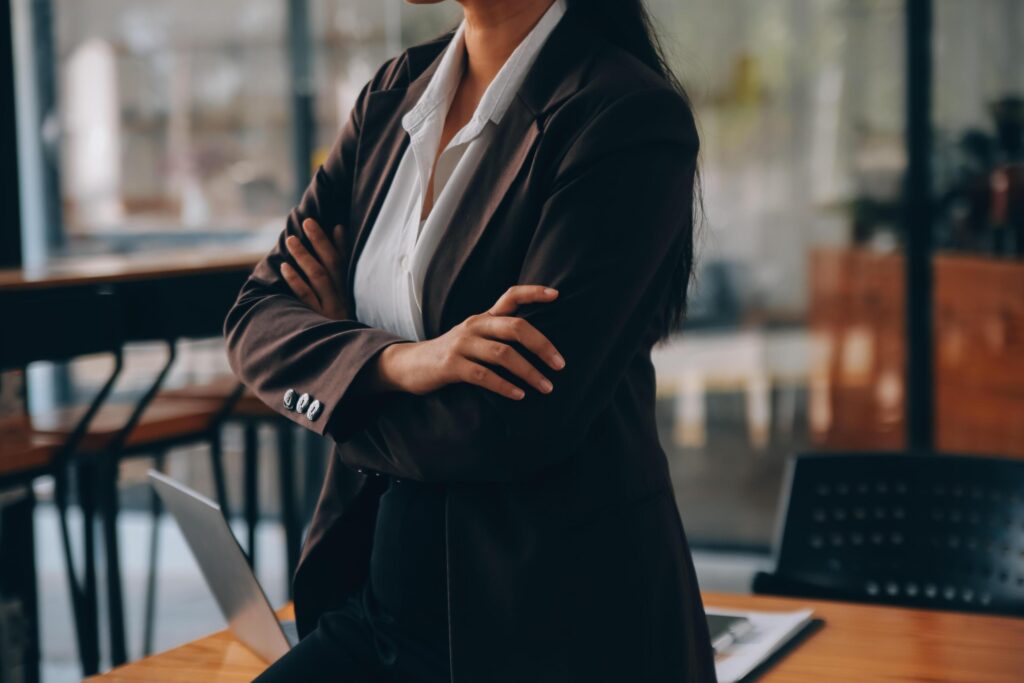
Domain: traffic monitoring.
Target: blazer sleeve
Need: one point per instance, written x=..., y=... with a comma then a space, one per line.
x=276, y=343
x=611, y=229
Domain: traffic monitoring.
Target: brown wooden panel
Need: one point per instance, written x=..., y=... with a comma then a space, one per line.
x=979, y=350
x=979, y=355
x=856, y=307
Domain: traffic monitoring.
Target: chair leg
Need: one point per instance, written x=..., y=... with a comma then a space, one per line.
x=289, y=516
x=217, y=464
x=90, y=636
x=107, y=486
x=251, y=455
x=60, y=499
x=155, y=513
x=18, y=579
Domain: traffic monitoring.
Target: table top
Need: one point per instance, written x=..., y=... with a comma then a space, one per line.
x=114, y=268
x=857, y=643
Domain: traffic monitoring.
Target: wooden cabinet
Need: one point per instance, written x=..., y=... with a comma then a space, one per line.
x=857, y=396
x=857, y=316
x=979, y=355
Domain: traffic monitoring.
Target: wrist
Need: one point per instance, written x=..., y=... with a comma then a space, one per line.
x=386, y=368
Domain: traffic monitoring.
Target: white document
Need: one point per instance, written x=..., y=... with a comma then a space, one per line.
x=771, y=631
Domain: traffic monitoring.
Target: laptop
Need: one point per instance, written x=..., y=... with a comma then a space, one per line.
x=227, y=572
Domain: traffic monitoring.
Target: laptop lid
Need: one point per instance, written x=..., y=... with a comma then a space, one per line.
x=220, y=558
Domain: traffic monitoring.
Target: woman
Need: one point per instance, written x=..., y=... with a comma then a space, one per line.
x=465, y=301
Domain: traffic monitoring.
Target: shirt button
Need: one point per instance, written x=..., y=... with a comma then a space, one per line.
x=404, y=262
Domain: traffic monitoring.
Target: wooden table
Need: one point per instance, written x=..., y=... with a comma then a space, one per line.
x=125, y=268
x=857, y=643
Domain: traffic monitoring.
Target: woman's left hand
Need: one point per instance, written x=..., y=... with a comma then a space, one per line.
x=323, y=290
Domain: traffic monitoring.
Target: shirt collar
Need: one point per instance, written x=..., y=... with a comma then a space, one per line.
x=498, y=96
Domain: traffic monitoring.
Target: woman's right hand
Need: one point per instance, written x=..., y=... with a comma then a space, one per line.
x=463, y=353
x=324, y=268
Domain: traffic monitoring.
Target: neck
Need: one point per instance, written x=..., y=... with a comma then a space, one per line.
x=494, y=28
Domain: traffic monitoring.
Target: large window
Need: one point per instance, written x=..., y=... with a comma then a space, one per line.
x=175, y=121
x=174, y=116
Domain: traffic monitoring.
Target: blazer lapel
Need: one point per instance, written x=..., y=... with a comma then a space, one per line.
x=501, y=164
x=382, y=142
x=557, y=73
x=382, y=129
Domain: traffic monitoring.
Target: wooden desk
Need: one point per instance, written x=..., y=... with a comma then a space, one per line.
x=123, y=268
x=182, y=293
x=857, y=643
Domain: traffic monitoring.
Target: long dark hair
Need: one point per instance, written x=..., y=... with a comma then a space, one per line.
x=627, y=25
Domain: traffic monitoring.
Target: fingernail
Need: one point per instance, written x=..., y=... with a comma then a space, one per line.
x=550, y=292
x=546, y=386
x=559, y=361
x=518, y=394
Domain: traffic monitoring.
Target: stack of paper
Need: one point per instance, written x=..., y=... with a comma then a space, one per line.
x=771, y=630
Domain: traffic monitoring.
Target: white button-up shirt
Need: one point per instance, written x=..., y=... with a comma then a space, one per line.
x=392, y=265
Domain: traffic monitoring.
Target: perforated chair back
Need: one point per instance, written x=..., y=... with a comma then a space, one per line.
x=941, y=532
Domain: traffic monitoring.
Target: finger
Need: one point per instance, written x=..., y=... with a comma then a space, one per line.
x=520, y=295
x=319, y=281
x=323, y=248
x=516, y=329
x=299, y=287
x=503, y=355
x=473, y=373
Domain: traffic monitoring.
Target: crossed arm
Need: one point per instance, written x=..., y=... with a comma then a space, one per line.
x=609, y=234
x=465, y=353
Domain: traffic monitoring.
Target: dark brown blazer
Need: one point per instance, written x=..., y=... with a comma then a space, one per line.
x=566, y=557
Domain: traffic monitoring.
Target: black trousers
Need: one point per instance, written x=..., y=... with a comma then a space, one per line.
x=357, y=644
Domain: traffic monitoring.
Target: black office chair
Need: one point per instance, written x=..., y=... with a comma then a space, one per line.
x=59, y=325
x=943, y=532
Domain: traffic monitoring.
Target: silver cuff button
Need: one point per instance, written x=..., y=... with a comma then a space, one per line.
x=314, y=410
x=303, y=402
x=289, y=399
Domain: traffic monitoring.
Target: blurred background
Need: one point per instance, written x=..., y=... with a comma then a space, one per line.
x=861, y=262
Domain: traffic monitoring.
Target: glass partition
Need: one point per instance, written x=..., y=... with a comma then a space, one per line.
x=794, y=342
